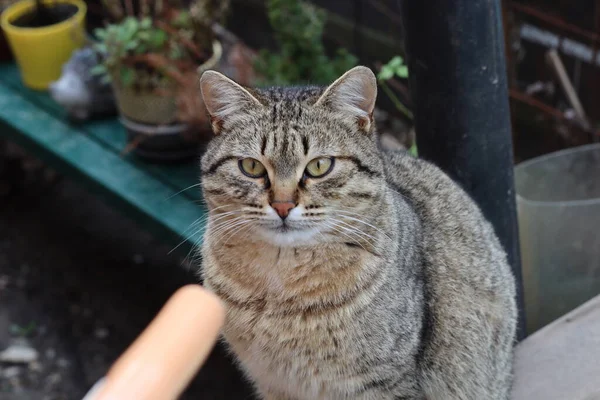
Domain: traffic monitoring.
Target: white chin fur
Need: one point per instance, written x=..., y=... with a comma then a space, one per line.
x=291, y=238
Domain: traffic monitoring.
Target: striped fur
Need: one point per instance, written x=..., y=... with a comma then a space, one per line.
x=385, y=282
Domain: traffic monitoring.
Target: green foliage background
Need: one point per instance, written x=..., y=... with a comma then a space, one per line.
x=301, y=58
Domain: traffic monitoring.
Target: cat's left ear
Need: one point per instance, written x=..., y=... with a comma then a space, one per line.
x=353, y=94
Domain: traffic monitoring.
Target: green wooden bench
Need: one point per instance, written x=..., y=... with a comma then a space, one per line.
x=165, y=199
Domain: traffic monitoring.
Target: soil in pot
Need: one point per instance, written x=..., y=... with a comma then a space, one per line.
x=46, y=15
x=5, y=52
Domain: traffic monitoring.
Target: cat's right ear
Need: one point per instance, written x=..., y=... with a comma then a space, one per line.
x=224, y=99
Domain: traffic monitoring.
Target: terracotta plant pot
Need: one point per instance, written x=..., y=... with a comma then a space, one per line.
x=145, y=107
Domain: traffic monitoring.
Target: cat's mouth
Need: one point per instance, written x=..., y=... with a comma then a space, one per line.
x=284, y=228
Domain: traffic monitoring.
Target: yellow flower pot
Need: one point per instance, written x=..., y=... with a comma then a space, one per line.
x=41, y=52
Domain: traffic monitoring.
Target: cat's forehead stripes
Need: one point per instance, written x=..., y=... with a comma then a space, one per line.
x=288, y=105
x=289, y=95
x=284, y=140
x=284, y=149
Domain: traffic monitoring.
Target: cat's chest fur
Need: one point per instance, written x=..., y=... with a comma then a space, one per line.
x=291, y=312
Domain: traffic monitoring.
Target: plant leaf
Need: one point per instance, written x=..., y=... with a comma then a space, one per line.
x=396, y=61
x=394, y=67
x=413, y=150
x=146, y=23
x=98, y=69
x=127, y=76
x=402, y=71
x=158, y=39
x=100, y=33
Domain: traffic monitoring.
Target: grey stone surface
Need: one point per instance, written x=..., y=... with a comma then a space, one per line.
x=562, y=360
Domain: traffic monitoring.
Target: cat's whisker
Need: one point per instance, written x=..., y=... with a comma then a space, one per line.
x=220, y=216
x=205, y=216
x=202, y=220
x=187, y=237
x=218, y=228
x=357, y=231
x=335, y=227
x=198, y=221
x=238, y=231
x=178, y=245
x=321, y=234
x=226, y=226
x=223, y=215
x=230, y=232
x=194, y=249
x=353, y=239
x=218, y=235
x=183, y=190
x=218, y=208
x=361, y=221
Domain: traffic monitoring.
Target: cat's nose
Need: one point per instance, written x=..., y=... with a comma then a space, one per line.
x=283, y=208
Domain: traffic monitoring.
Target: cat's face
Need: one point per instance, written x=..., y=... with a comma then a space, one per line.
x=292, y=166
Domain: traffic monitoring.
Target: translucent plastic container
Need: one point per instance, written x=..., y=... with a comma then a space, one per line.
x=558, y=203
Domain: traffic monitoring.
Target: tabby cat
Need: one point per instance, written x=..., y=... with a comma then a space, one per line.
x=348, y=271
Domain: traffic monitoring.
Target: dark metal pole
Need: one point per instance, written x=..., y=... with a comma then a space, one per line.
x=455, y=53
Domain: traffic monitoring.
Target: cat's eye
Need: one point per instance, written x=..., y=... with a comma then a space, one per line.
x=252, y=168
x=319, y=167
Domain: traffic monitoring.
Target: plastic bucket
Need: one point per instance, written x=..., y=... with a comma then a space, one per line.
x=41, y=52
x=558, y=203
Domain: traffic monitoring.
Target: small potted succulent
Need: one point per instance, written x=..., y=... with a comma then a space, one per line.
x=152, y=58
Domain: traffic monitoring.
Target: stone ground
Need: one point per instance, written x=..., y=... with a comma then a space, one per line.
x=78, y=283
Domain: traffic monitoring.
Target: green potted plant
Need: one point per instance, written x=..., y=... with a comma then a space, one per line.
x=152, y=58
x=301, y=57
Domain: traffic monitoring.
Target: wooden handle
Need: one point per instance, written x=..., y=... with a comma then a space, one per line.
x=166, y=356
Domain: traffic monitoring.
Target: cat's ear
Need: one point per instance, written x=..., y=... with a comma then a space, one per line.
x=224, y=99
x=353, y=94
